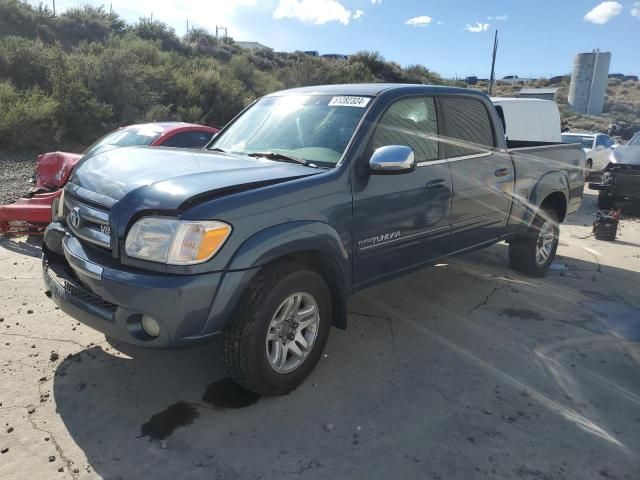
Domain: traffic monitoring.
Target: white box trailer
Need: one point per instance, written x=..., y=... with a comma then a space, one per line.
x=530, y=120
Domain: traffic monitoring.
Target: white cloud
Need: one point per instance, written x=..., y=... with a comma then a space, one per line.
x=313, y=11
x=635, y=10
x=502, y=18
x=358, y=14
x=176, y=12
x=603, y=12
x=477, y=27
x=421, y=21
x=376, y=2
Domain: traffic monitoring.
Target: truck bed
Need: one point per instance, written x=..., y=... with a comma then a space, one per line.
x=534, y=161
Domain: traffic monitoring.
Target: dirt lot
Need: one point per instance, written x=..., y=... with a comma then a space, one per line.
x=461, y=371
x=15, y=172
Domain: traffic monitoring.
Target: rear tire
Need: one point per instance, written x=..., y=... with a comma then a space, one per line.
x=270, y=326
x=606, y=201
x=533, y=252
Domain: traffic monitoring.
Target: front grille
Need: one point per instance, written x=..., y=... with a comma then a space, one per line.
x=68, y=287
x=88, y=221
x=86, y=296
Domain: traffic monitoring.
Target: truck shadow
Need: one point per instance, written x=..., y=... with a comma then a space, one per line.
x=445, y=337
x=29, y=246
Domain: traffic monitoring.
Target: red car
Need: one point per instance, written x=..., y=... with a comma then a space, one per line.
x=31, y=214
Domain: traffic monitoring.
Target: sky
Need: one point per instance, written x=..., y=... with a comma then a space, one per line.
x=451, y=37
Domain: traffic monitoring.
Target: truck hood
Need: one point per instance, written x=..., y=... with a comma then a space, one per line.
x=164, y=178
x=626, y=155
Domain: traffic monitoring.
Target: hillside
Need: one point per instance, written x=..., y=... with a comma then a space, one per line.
x=67, y=79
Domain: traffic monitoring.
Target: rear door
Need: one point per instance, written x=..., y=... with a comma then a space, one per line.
x=402, y=221
x=482, y=174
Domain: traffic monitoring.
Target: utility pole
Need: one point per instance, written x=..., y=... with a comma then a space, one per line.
x=54, y=8
x=221, y=28
x=493, y=63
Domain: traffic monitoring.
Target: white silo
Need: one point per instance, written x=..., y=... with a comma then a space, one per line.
x=589, y=82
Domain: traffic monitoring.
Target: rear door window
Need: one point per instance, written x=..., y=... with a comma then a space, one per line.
x=467, y=127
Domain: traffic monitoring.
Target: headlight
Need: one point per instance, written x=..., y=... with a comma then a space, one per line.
x=176, y=242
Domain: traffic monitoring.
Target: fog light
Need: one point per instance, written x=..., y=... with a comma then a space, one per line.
x=150, y=326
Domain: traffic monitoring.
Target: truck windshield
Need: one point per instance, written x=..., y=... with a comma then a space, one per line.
x=313, y=128
x=635, y=140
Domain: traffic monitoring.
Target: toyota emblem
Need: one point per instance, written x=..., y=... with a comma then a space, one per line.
x=75, y=217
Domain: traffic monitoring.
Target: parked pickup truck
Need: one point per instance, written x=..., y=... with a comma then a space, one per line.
x=306, y=197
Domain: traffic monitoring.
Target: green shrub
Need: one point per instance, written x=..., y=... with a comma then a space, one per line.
x=26, y=117
x=24, y=61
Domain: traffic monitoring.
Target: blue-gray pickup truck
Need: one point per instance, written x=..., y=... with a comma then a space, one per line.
x=306, y=197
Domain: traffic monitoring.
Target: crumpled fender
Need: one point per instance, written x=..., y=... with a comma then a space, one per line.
x=54, y=169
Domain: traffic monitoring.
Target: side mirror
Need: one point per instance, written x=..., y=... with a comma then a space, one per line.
x=392, y=159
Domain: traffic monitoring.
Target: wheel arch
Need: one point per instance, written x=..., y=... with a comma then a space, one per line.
x=556, y=201
x=551, y=191
x=315, y=245
x=326, y=266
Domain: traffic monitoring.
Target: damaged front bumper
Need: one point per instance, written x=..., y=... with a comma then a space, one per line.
x=28, y=216
x=623, y=182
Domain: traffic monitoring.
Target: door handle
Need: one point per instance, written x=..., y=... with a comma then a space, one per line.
x=502, y=172
x=438, y=183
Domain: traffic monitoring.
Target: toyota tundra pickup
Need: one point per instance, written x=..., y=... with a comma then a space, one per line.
x=306, y=197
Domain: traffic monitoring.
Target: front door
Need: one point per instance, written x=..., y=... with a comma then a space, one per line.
x=401, y=221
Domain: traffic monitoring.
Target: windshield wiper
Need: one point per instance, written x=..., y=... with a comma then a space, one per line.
x=217, y=150
x=280, y=157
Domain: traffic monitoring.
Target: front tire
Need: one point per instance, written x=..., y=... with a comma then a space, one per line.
x=606, y=201
x=280, y=329
x=533, y=252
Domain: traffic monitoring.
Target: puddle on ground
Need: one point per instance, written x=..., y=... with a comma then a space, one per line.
x=163, y=424
x=523, y=313
x=226, y=393
x=223, y=394
x=615, y=317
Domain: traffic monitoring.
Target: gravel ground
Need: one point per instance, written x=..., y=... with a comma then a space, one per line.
x=15, y=172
